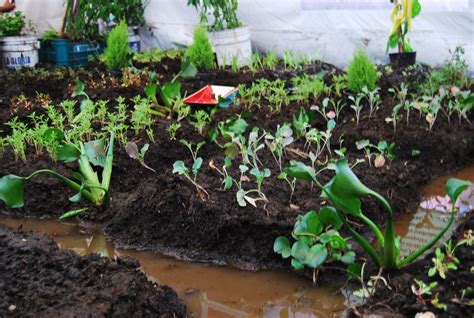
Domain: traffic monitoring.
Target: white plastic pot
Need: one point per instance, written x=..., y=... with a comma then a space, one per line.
x=230, y=43
x=19, y=51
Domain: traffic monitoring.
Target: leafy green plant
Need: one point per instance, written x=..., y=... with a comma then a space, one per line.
x=344, y=192
x=172, y=129
x=423, y=290
x=383, y=149
x=223, y=11
x=141, y=117
x=11, y=24
x=255, y=63
x=308, y=88
x=277, y=144
x=132, y=150
x=289, y=60
x=317, y=241
x=87, y=183
x=339, y=84
x=357, y=106
x=321, y=139
x=270, y=60
x=180, y=168
x=117, y=53
x=301, y=123
x=200, y=52
x=202, y=119
x=361, y=73
x=373, y=97
x=401, y=16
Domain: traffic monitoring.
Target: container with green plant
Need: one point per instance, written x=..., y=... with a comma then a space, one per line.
x=117, y=54
x=200, y=52
x=361, y=73
x=345, y=191
x=401, y=16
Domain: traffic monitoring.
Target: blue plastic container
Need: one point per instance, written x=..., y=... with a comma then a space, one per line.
x=66, y=53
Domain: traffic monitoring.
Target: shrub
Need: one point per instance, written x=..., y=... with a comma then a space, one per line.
x=200, y=52
x=361, y=73
x=11, y=25
x=117, y=54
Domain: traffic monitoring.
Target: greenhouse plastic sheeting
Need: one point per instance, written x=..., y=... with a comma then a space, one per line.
x=329, y=30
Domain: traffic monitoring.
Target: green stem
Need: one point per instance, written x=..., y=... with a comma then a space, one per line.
x=390, y=259
x=407, y=260
x=375, y=229
x=75, y=186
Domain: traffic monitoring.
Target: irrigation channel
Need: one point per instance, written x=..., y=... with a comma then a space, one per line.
x=211, y=291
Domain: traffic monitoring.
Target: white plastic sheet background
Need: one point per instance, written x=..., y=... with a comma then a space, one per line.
x=329, y=30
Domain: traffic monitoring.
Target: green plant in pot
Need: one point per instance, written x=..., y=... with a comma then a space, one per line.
x=117, y=54
x=401, y=16
x=17, y=48
x=345, y=191
x=231, y=39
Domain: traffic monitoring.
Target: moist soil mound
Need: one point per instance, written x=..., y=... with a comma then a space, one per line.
x=401, y=302
x=163, y=212
x=37, y=279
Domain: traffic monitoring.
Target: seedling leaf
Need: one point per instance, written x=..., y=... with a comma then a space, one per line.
x=11, y=190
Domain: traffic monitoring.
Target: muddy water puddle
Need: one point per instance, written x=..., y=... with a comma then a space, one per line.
x=211, y=291
x=432, y=215
x=208, y=291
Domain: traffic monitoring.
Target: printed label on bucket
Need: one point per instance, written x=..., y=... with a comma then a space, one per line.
x=14, y=61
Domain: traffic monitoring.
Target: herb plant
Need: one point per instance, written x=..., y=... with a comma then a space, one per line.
x=361, y=73
x=223, y=11
x=200, y=52
x=11, y=24
x=344, y=192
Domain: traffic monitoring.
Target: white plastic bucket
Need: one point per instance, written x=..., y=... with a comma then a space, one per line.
x=232, y=43
x=19, y=51
x=134, y=39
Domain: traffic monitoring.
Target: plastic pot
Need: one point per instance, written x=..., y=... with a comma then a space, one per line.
x=401, y=60
x=232, y=43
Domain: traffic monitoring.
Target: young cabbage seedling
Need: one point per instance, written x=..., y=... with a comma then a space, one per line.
x=180, y=168
x=86, y=182
x=345, y=191
x=423, y=290
x=132, y=150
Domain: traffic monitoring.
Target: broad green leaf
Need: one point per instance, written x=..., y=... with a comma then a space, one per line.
x=354, y=270
x=228, y=182
x=347, y=205
x=300, y=171
x=78, y=196
x=348, y=258
x=454, y=188
x=317, y=256
x=346, y=184
x=240, y=195
x=309, y=223
x=328, y=216
x=361, y=144
x=95, y=151
x=68, y=153
x=150, y=92
x=296, y=265
x=188, y=70
x=11, y=190
x=86, y=103
x=300, y=251
x=239, y=126
x=416, y=8
x=180, y=168
x=169, y=92
x=282, y=246
x=337, y=242
x=196, y=165
x=243, y=168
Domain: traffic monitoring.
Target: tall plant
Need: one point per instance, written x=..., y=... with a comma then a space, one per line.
x=223, y=11
x=401, y=16
x=117, y=53
x=345, y=191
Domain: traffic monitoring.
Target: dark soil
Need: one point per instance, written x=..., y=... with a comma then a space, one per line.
x=400, y=301
x=164, y=213
x=37, y=279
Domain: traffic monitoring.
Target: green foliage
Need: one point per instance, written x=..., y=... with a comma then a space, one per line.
x=224, y=13
x=86, y=183
x=200, y=51
x=117, y=53
x=11, y=24
x=401, y=16
x=361, y=73
x=317, y=241
x=345, y=192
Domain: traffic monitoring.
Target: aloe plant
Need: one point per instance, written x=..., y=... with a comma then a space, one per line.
x=86, y=181
x=345, y=190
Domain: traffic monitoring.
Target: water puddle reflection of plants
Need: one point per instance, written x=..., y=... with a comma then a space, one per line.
x=211, y=291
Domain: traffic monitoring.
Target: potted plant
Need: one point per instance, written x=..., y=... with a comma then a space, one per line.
x=401, y=16
x=231, y=39
x=17, y=49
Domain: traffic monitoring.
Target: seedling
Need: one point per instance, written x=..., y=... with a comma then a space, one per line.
x=180, y=168
x=132, y=150
x=373, y=98
x=423, y=290
x=301, y=123
x=291, y=183
x=345, y=190
x=270, y=60
x=324, y=111
x=277, y=144
x=357, y=106
x=317, y=242
x=172, y=129
x=89, y=187
x=383, y=150
x=202, y=120
x=368, y=290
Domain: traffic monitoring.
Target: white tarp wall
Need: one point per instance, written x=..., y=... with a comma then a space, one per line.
x=329, y=30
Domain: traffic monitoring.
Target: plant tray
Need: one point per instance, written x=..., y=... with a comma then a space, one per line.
x=67, y=53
